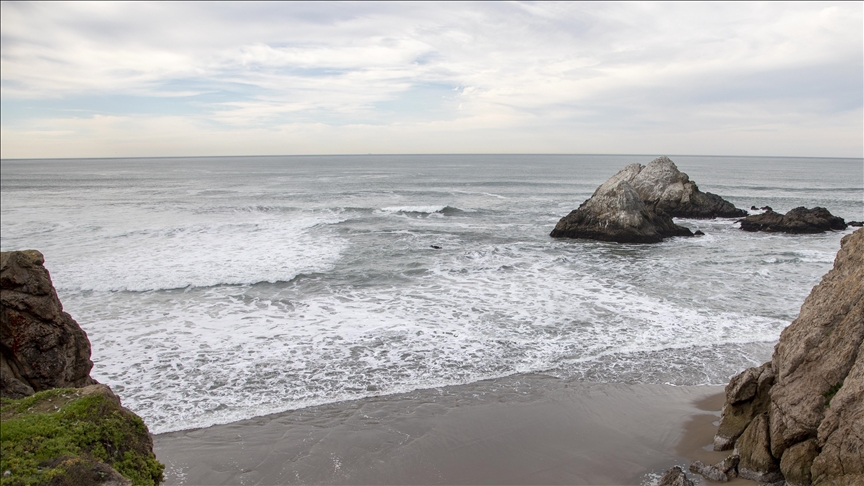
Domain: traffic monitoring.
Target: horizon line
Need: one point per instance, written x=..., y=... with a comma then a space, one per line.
x=421, y=155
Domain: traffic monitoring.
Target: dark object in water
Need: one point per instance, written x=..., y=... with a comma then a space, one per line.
x=856, y=223
x=698, y=233
x=436, y=247
x=796, y=221
x=766, y=208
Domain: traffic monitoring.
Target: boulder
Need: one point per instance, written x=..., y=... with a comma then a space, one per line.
x=753, y=447
x=616, y=213
x=796, y=462
x=674, y=477
x=722, y=471
x=41, y=347
x=660, y=184
x=747, y=395
x=797, y=221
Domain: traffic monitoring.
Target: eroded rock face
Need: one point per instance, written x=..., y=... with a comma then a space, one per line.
x=814, y=428
x=660, y=184
x=797, y=221
x=41, y=347
x=616, y=213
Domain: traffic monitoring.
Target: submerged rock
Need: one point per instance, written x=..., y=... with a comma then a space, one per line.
x=616, y=213
x=41, y=347
x=814, y=429
x=797, y=221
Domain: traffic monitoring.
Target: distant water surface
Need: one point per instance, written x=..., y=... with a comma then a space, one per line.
x=217, y=289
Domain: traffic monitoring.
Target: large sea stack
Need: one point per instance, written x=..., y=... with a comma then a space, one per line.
x=660, y=184
x=800, y=417
x=616, y=213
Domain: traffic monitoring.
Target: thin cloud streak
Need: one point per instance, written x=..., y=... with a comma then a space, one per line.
x=764, y=79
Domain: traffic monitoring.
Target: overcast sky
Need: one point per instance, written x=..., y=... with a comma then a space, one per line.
x=157, y=79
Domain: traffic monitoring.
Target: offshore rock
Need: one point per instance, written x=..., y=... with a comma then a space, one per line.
x=616, y=213
x=797, y=221
x=815, y=422
x=41, y=347
x=660, y=184
x=674, y=477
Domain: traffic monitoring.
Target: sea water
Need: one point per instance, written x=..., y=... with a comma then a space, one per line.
x=218, y=289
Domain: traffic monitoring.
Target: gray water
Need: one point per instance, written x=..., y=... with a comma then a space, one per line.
x=217, y=289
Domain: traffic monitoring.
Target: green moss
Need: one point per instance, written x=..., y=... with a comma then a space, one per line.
x=831, y=392
x=60, y=436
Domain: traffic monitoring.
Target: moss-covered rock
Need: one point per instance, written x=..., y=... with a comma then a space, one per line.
x=79, y=436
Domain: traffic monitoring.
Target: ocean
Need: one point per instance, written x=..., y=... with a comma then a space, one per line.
x=216, y=289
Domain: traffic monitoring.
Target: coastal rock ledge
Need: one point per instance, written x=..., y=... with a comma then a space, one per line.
x=800, y=417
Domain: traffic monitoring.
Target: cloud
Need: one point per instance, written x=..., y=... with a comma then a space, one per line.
x=496, y=73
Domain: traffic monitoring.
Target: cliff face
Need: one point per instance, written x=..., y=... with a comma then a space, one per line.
x=801, y=415
x=41, y=347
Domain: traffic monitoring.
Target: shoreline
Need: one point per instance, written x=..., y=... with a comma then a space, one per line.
x=522, y=429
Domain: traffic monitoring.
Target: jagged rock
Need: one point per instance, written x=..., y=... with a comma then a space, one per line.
x=797, y=221
x=698, y=233
x=855, y=223
x=747, y=395
x=817, y=351
x=722, y=471
x=753, y=447
x=41, y=347
x=660, y=184
x=616, y=213
x=796, y=461
x=674, y=477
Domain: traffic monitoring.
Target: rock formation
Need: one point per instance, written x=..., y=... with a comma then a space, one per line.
x=674, y=477
x=797, y=221
x=660, y=184
x=47, y=391
x=616, y=213
x=801, y=415
x=41, y=347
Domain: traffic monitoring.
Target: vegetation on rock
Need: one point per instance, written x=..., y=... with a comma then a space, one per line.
x=74, y=436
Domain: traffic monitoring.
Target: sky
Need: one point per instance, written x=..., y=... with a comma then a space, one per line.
x=202, y=79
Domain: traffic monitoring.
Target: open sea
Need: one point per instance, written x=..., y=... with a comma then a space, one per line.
x=221, y=288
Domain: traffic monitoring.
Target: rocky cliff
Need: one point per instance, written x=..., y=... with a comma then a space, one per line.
x=800, y=417
x=41, y=347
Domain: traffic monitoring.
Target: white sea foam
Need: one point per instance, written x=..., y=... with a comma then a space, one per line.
x=212, y=293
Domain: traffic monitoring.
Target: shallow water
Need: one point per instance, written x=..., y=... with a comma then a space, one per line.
x=217, y=289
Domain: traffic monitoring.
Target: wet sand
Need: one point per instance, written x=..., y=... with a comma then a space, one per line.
x=524, y=429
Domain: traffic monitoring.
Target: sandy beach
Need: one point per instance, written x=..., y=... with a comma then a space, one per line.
x=523, y=429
